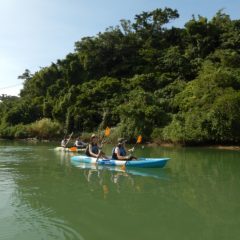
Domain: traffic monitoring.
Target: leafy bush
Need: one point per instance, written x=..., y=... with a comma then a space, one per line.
x=21, y=131
x=157, y=135
x=45, y=128
x=7, y=132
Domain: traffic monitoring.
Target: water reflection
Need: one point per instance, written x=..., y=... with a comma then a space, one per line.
x=116, y=179
x=125, y=172
x=46, y=196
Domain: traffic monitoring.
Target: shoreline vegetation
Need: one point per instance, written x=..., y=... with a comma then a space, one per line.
x=148, y=144
x=173, y=86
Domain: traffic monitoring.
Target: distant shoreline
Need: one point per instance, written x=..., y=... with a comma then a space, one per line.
x=150, y=144
x=217, y=146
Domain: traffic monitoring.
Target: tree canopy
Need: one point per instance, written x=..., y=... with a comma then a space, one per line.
x=142, y=77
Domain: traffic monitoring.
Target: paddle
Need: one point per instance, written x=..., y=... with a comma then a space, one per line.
x=106, y=134
x=139, y=140
x=73, y=149
x=68, y=139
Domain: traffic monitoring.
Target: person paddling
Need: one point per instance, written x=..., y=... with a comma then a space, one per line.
x=64, y=142
x=79, y=144
x=93, y=149
x=119, y=152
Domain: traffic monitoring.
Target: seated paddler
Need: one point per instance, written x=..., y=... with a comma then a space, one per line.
x=120, y=153
x=79, y=143
x=93, y=149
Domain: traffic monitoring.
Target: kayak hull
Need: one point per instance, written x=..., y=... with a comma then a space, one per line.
x=141, y=162
x=62, y=149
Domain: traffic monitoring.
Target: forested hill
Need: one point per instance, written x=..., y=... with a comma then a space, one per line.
x=142, y=77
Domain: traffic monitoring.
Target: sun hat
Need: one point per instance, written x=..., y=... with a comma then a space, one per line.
x=93, y=136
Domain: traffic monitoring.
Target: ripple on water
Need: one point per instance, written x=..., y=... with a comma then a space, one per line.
x=13, y=150
x=41, y=224
x=19, y=220
x=12, y=154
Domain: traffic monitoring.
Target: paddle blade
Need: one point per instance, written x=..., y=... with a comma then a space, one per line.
x=139, y=139
x=123, y=167
x=107, y=131
x=73, y=149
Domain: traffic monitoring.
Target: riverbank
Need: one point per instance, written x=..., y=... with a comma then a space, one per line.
x=226, y=147
x=149, y=144
x=217, y=146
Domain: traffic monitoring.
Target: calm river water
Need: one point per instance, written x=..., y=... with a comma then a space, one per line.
x=43, y=195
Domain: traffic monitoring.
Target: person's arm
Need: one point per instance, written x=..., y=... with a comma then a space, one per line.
x=119, y=157
x=82, y=144
x=131, y=149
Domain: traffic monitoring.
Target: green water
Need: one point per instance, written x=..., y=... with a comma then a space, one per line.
x=44, y=196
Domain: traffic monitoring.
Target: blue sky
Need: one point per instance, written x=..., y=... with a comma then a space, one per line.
x=34, y=33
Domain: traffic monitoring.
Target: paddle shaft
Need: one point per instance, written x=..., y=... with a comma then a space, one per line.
x=100, y=151
x=68, y=139
x=139, y=140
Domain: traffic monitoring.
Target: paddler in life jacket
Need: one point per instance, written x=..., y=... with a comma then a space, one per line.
x=93, y=149
x=119, y=152
x=79, y=144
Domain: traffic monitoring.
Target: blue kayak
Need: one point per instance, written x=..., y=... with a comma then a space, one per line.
x=140, y=162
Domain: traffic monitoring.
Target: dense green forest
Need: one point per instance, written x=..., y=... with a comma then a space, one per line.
x=169, y=84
